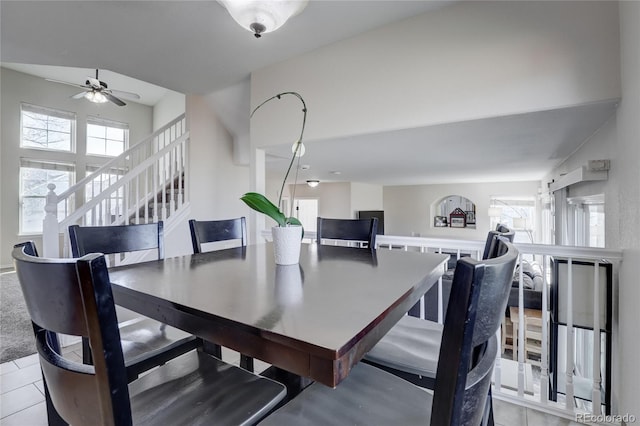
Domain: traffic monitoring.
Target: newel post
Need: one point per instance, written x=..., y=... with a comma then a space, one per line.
x=50, y=233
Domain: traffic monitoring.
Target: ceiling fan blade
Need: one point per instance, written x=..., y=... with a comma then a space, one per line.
x=79, y=95
x=67, y=83
x=113, y=99
x=124, y=94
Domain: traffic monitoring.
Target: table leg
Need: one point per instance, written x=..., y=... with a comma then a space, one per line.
x=294, y=383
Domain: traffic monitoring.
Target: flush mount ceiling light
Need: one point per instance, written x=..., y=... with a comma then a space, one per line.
x=263, y=16
x=313, y=182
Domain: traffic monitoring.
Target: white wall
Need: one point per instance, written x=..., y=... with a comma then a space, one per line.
x=465, y=61
x=629, y=203
x=618, y=140
x=216, y=184
x=18, y=87
x=334, y=198
x=410, y=208
x=169, y=107
x=366, y=196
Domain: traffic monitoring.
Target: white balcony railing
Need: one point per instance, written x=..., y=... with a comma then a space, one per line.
x=569, y=328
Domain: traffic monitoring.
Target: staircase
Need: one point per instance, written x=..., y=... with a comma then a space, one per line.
x=146, y=183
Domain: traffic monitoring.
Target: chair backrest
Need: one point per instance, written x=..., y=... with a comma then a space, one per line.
x=469, y=345
x=348, y=229
x=490, y=245
x=73, y=296
x=494, y=294
x=455, y=360
x=211, y=231
x=116, y=239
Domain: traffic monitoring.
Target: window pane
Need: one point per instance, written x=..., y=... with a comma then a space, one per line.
x=113, y=139
x=60, y=141
x=95, y=146
x=59, y=124
x=115, y=134
x=93, y=130
x=44, y=131
x=33, y=190
x=115, y=148
x=34, y=137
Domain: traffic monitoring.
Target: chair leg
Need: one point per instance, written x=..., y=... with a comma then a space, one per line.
x=212, y=349
x=246, y=362
x=87, y=358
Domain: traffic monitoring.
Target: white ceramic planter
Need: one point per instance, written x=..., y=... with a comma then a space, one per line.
x=286, y=244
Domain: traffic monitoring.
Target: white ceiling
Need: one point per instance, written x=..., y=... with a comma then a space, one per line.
x=195, y=47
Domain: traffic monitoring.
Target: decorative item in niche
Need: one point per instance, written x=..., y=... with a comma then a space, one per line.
x=458, y=218
x=471, y=217
x=440, y=221
x=465, y=210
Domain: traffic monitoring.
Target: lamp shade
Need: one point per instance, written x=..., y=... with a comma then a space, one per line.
x=495, y=212
x=263, y=16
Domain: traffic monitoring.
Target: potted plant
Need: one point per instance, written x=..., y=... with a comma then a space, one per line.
x=287, y=235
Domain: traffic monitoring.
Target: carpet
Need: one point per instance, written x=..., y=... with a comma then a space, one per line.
x=16, y=332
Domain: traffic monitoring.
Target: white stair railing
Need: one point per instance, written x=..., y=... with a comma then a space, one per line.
x=146, y=183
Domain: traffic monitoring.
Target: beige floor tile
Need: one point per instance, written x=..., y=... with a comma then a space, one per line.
x=8, y=367
x=27, y=361
x=20, y=378
x=35, y=415
x=19, y=399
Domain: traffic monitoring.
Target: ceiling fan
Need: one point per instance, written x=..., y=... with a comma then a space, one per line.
x=97, y=91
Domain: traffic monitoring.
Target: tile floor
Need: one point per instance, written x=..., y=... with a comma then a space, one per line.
x=22, y=396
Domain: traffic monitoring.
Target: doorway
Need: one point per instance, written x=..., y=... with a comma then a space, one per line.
x=306, y=210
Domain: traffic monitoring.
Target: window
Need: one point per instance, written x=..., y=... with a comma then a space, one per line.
x=518, y=213
x=587, y=215
x=48, y=129
x=108, y=138
x=34, y=177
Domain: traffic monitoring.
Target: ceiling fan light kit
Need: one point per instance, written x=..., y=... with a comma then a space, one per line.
x=263, y=16
x=95, y=97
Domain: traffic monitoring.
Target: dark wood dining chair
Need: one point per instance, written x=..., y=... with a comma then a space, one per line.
x=194, y=388
x=360, y=230
x=212, y=231
x=411, y=349
x=372, y=396
x=490, y=245
x=146, y=342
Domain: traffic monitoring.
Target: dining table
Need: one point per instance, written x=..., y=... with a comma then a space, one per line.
x=314, y=320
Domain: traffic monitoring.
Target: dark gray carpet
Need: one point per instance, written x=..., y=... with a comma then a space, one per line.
x=16, y=333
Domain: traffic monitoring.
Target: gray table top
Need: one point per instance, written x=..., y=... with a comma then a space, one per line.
x=324, y=307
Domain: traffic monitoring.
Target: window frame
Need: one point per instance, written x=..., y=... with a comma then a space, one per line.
x=39, y=164
x=106, y=123
x=50, y=112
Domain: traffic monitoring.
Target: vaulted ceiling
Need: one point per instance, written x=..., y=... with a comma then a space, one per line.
x=194, y=47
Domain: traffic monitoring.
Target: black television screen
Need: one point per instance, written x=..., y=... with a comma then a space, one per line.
x=368, y=214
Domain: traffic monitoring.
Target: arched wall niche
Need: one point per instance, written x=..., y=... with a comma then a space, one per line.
x=454, y=211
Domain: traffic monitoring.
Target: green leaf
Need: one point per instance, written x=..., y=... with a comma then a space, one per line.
x=261, y=204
